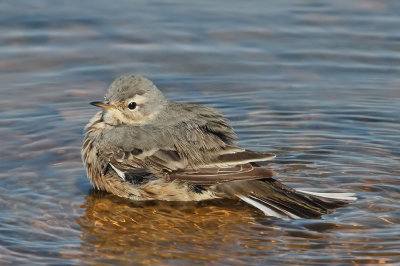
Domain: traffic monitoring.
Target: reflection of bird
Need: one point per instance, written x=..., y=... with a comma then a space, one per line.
x=153, y=232
x=143, y=147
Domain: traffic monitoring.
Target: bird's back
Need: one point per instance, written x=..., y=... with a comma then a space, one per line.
x=197, y=133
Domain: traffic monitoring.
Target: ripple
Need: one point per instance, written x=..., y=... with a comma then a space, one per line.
x=315, y=83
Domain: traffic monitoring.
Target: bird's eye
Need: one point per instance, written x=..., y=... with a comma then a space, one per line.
x=132, y=106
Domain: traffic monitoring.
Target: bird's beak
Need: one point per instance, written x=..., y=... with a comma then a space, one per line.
x=102, y=105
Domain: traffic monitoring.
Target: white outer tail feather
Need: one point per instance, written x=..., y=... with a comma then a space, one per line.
x=267, y=211
x=338, y=196
x=270, y=212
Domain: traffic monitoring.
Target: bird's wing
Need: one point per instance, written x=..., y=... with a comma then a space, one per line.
x=221, y=174
x=169, y=164
x=200, y=147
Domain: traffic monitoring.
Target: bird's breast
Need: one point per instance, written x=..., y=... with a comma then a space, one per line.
x=91, y=154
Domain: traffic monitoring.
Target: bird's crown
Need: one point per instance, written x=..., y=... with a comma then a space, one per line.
x=128, y=86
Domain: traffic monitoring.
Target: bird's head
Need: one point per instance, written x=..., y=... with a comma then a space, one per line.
x=131, y=100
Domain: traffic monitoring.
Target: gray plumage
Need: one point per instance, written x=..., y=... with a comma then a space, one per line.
x=144, y=147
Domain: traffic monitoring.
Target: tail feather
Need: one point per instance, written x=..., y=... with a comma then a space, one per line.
x=333, y=196
x=265, y=207
x=278, y=200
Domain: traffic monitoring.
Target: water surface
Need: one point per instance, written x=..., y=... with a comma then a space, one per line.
x=316, y=82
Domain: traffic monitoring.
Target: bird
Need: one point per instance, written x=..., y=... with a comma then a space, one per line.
x=142, y=146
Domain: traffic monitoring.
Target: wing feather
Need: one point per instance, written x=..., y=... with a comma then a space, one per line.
x=217, y=175
x=199, y=150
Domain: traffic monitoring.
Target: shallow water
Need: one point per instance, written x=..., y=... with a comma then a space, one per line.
x=316, y=82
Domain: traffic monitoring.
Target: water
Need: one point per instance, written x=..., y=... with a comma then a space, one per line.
x=316, y=82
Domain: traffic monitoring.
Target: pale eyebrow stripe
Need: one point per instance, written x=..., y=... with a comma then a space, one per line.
x=139, y=99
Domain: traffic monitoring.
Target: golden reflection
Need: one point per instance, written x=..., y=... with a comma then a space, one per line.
x=115, y=230
x=151, y=232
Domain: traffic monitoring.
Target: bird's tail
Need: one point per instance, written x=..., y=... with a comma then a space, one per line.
x=275, y=199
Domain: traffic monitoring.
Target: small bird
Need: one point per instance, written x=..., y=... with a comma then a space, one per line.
x=142, y=146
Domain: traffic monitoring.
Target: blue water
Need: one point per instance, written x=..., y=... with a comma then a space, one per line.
x=316, y=82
